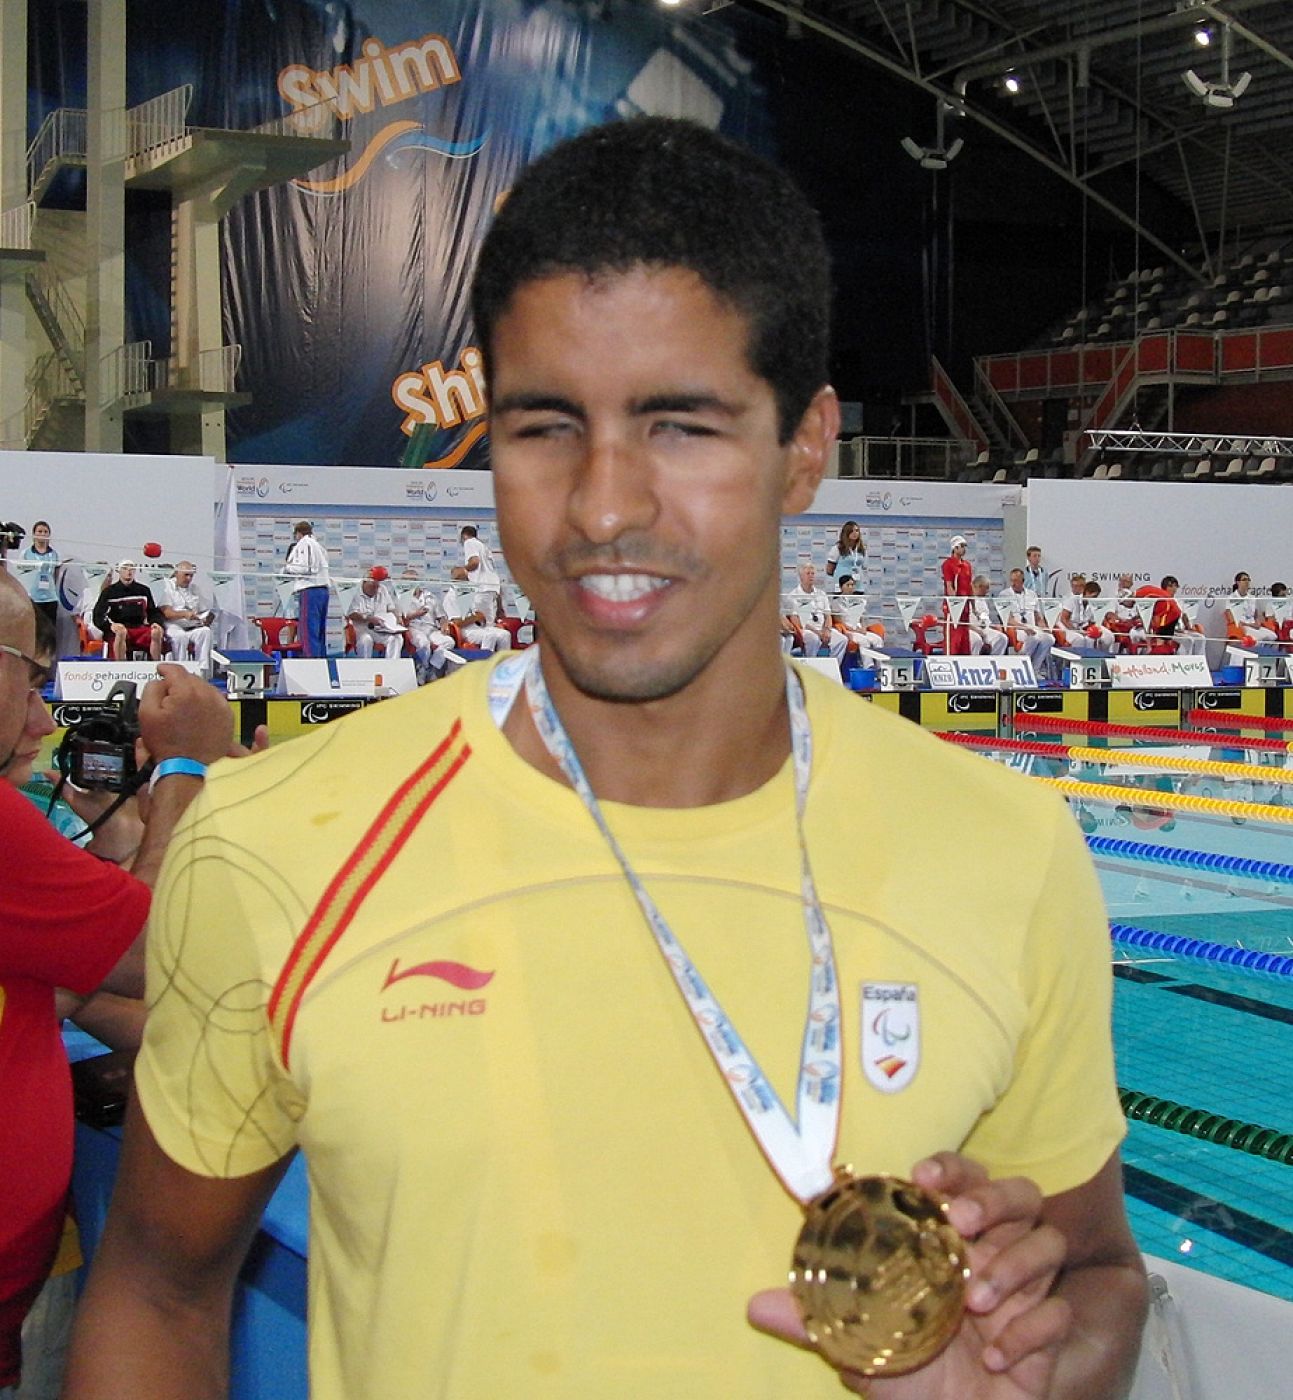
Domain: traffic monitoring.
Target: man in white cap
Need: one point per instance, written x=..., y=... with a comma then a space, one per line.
x=373, y=613
x=957, y=574
x=187, y=622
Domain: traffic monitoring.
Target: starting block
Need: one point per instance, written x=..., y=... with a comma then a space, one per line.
x=246, y=673
x=894, y=670
x=1264, y=666
x=1087, y=667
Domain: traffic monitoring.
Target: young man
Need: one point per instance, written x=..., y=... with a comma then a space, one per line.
x=1246, y=621
x=536, y=1180
x=957, y=575
x=126, y=612
x=1033, y=572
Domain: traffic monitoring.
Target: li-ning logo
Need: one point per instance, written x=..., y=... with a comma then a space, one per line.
x=456, y=974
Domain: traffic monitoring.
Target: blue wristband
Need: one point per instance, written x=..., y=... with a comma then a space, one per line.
x=188, y=766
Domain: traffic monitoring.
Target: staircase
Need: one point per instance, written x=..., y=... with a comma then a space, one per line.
x=61, y=322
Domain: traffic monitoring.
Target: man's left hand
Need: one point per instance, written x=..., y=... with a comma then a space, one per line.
x=1010, y=1337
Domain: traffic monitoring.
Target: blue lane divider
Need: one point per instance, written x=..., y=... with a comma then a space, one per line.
x=1276, y=964
x=1197, y=860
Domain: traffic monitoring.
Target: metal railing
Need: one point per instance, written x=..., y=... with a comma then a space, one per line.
x=922, y=459
x=64, y=309
x=215, y=371
x=126, y=373
x=317, y=119
x=1006, y=423
x=62, y=135
x=159, y=123
x=15, y=226
x=49, y=381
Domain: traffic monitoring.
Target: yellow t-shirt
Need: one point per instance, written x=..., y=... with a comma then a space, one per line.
x=396, y=945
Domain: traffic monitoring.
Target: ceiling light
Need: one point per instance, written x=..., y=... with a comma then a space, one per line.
x=1203, y=36
x=1011, y=83
x=940, y=154
x=1221, y=95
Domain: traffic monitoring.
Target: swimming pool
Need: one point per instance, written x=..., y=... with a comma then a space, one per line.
x=1192, y=1033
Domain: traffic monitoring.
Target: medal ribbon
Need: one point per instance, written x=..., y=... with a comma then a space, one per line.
x=799, y=1148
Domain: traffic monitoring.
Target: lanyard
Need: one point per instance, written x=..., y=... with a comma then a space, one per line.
x=799, y=1148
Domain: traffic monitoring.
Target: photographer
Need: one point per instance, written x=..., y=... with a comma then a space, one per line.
x=69, y=920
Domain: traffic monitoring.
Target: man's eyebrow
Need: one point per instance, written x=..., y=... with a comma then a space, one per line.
x=683, y=402
x=537, y=403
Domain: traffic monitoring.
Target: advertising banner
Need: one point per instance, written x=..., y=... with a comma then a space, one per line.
x=980, y=673
x=1157, y=672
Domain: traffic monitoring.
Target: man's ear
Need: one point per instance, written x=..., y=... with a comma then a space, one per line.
x=809, y=450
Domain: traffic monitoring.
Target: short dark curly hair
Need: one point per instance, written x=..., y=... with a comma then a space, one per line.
x=660, y=192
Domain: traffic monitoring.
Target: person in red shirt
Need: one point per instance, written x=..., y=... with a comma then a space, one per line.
x=66, y=920
x=957, y=576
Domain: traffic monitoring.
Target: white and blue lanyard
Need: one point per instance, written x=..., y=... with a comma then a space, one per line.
x=800, y=1149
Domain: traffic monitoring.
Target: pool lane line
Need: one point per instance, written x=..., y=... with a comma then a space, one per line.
x=1195, y=860
x=1167, y=801
x=1233, y=719
x=1246, y=959
x=1253, y=1138
x=1147, y=731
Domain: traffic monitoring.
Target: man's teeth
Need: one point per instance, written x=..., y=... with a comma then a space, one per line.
x=622, y=588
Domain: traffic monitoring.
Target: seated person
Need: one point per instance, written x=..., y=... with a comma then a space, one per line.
x=848, y=614
x=1279, y=613
x=1079, y=625
x=1168, y=626
x=1020, y=610
x=1123, y=619
x=428, y=633
x=987, y=636
x=126, y=612
x=475, y=610
x=186, y=622
x=807, y=615
x=374, y=614
x=1246, y=620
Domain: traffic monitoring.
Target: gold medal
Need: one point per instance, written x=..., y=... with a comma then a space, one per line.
x=879, y=1275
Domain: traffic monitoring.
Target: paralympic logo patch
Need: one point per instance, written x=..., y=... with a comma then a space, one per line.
x=890, y=1048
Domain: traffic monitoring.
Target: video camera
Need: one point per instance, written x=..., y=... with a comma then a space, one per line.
x=98, y=753
x=11, y=535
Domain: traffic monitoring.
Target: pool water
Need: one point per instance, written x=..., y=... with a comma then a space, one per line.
x=1195, y=1032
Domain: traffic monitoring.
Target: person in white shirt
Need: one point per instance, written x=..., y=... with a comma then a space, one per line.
x=307, y=563
x=478, y=560
x=808, y=616
x=1243, y=622
x=987, y=635
x=848, y=612
x=1079, y=625
x=475, y=611
x=374, y=614
x=428, y=633
x=1021, y=612
x=186, y=622
x=1124, y=619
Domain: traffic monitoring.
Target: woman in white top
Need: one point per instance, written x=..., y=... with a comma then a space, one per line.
x=847, y=555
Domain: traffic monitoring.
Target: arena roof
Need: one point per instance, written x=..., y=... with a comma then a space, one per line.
x=1101, y=88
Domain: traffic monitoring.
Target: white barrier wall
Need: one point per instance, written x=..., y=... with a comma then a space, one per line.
x=1203, y=534
x=103, y=507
